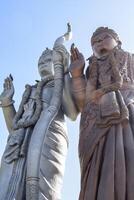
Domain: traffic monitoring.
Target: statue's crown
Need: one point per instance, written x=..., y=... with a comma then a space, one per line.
x=107, y=30
x=46, y=52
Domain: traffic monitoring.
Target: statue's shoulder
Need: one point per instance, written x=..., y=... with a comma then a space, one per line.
x=130, y=55
x=122, y=51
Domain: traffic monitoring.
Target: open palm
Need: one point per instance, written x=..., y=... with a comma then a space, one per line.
x=8, y=89
x=77, y=62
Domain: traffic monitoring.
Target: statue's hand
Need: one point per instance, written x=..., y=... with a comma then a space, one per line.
x=8, y=90
x=61, y=57
x=96, y=95
x=77, y=62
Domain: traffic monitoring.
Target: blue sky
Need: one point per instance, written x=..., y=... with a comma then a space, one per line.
x=27, y=27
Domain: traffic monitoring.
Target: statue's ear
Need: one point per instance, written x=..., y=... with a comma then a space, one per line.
x=90, y=59
x=119, y=44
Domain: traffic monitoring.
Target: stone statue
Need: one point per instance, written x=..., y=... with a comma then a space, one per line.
x=105, y=97
x=32, y=165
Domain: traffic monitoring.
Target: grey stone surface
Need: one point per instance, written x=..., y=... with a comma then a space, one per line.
x=32, y=165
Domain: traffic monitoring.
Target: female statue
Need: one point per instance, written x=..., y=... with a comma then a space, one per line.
x=105, y=98
x=34, y=159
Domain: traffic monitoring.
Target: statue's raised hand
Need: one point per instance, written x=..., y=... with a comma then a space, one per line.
x=8, y=90
x=77, y=62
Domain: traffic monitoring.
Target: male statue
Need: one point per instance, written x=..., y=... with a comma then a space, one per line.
x=32, y=165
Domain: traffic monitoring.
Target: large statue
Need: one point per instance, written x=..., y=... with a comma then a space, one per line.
x=105, y=98
x=32, y=165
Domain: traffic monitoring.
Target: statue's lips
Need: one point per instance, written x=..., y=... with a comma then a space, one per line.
x=103, y=50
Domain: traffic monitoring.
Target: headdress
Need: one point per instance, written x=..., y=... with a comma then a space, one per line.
x=46, y=52
x=107, y=30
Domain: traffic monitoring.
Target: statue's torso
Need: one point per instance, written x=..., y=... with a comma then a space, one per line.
x=125, y=64
x=46, y=96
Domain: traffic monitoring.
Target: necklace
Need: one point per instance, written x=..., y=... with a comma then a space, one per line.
x=17, y=123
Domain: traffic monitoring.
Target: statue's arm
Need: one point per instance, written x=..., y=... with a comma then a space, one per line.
x=79, y=91
x=96, y=94
x=68, y=102
x=6, y=99
x=78, y=82
x=61, y=58
x=9, y=113
x=74, y=94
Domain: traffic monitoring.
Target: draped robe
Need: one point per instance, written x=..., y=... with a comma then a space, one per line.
x=106, y=145
x=13, y=171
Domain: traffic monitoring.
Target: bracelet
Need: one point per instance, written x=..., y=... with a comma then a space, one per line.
x=8, y=103
x=78, y=77
x=78, y=90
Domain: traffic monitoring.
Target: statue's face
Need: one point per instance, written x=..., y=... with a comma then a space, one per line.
x=45, y=66
x=102, y=44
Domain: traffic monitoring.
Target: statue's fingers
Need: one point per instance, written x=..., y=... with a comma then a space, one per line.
x=11, y=77
x=6, y=84
x=72, y=49
x=81, y=56
x=73, y=52
x=77, y=52
x=9, y=82
x=72, y=59
x=72, y=46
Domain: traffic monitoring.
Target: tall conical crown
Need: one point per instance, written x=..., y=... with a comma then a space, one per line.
x=46, y=52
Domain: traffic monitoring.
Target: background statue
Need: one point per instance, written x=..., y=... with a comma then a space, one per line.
x=105, y=98
x=32, y=165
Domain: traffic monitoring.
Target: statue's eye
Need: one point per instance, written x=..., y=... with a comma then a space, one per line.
x=48, y=60
x=107, y=37
x=95, y=41
x=98, y=41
